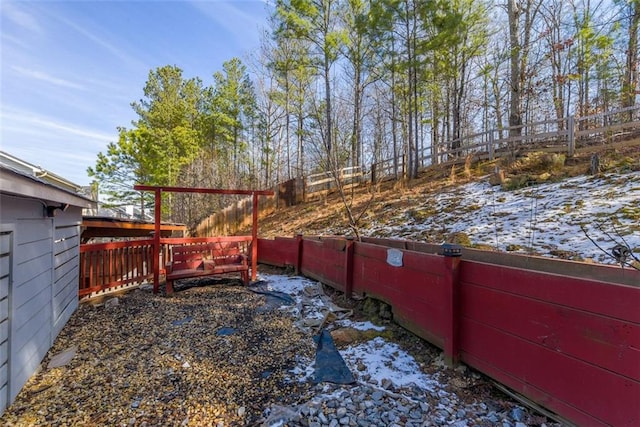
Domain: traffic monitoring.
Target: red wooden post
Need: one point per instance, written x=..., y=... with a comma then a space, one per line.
x=451, y=261
x=254, y=239
x=348, y=268
x=156, y=241
x=299, y=254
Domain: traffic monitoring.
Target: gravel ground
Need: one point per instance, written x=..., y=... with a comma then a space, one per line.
x=215, y=355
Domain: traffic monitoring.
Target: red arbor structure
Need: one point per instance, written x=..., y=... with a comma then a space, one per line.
x=158, y=240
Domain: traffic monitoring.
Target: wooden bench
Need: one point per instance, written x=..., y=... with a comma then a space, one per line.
x=206, y=259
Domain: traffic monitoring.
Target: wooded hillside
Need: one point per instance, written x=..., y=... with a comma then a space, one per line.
x=351, y=82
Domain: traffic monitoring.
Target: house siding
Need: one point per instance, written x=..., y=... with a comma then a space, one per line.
x=40, y=280
x=5, y=270
x=66, y=261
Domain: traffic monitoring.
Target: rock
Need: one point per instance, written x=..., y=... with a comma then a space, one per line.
x=135, y=404
x=377, y=395
x=517, y=414
x=63, y=358
x=186, y=365
x=386, y=383
x=341, y=412
x=520, y=424
x=385, y=311
x=493, y=417
x=111, y=302
x=344, y=421
x=241, y=411
x=346, y=336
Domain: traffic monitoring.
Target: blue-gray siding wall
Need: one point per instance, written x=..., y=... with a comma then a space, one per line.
x=5, y=268
x=43, y=282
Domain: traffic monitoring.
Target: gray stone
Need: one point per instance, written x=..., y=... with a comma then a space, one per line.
x=520, y=424
x=461, y=413
x=344, y=421
x=63, y=358
x=322, y=417
x=341, y=412
x=112, y=302
x=517, y=414
x=377, y=395
x=333, y=423
x=315, y=424
x=415, y=414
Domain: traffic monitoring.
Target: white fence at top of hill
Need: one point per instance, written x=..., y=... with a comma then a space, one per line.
x=567, y=135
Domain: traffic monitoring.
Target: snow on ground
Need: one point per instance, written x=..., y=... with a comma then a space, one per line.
x=386, y=361
x=544, y=219
x=376, y=360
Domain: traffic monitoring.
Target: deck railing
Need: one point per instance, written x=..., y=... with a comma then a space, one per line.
x=111, y=266
x=105, y=266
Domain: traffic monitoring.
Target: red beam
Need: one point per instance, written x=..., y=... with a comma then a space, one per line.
x=254, y=239
x=202, y=190
x=156, y=241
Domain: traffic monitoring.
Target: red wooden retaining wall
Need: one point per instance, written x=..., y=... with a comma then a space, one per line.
x=571, y=344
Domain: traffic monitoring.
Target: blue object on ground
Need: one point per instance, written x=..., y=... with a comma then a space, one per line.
x=330, y=366
x=274, y=299
x=225, y=331
x=182, y=321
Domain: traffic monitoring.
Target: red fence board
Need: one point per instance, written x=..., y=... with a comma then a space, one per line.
x=553, y=332
x=416, y=291
x=611, y=343
x=325, y=260
x=588, y=295
x=602, y=397
x=280, y=252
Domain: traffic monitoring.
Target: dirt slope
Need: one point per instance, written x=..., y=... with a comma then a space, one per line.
x=327, y=215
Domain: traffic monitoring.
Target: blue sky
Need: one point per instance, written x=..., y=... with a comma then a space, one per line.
x=70, y=69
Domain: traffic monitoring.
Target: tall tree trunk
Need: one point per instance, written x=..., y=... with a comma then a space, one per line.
x=630, y=82
x=416, y=109
x=394, y=113
x=327, y=88
x=515, y=109
x=409, y=95
x=355, y=135
x=287, y=119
